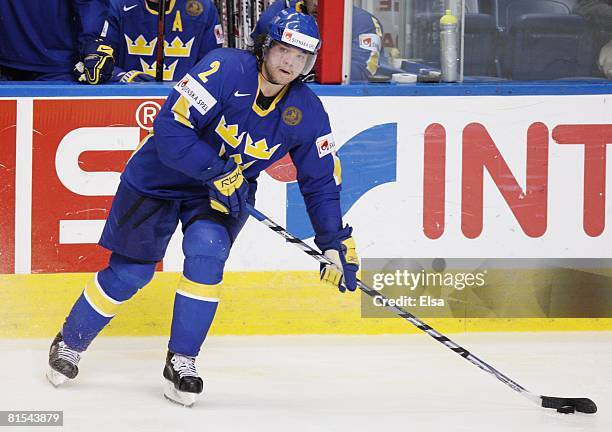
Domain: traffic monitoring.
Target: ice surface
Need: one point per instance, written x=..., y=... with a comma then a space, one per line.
x=322, y=383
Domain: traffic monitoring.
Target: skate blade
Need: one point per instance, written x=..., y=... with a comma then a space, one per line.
x=56, y=378
x=178, y=397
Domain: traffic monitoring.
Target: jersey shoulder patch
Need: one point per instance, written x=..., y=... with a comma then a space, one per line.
x=326, y=145
x=370, y=42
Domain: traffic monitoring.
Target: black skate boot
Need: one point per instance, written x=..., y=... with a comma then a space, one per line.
x=182, y=380
x=63, y=362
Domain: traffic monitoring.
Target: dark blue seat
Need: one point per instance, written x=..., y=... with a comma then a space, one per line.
x=545, y=46
x=479, y=45
x=507, y=11
x=542, y=39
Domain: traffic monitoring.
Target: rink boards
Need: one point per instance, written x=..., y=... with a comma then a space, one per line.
x=425, y=176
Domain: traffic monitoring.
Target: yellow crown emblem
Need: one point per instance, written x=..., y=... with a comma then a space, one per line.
x=140, y=46
x=177, y=48
x=150, y=69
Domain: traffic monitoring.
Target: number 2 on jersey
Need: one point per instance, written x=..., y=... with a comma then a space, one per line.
x=214, y=67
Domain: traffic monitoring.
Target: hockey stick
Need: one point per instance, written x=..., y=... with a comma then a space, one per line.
x=231, y=34
x=159, y=53
x=567, y=405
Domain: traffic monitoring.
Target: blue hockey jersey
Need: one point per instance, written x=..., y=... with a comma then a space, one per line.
x=47, y=35
x=211, y=115
x=192, y=29
x=366, y=45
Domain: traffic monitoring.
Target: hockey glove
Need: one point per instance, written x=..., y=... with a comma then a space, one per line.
x=134, y=76
x=343, y=273
x=96, y=65
x=229, y=190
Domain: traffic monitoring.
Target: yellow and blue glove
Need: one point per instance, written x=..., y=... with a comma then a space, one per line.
x=229, y=190
x=343, y=273
x=97, y=63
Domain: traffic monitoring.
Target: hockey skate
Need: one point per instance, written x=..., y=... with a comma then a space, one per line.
x=63, y=362
x=182, y=383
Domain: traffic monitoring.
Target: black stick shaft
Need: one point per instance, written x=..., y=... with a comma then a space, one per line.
x=231, y=34
x=398, y=310
x=161, y=33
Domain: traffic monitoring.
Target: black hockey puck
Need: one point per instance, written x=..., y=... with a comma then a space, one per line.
x=566, y=409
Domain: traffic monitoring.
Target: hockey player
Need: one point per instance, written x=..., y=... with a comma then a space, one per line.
x=367, y=55
x=308, y=7
x=234, y=114
x=55, y=40
x=192, y=29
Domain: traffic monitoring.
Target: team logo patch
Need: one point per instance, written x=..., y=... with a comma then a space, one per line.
x=197, y=95
x=219, y=34
x=287, y=35
x=194, y=7
x=369, y=41
x=292, y=116
x=300, y=40
x=326, y=145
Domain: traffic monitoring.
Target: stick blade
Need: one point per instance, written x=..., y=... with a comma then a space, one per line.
x=583, y=405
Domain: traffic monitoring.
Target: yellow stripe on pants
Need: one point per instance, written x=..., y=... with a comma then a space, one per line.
x=199, y=291
x=99, y=300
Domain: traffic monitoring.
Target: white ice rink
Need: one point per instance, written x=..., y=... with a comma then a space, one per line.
x=322, y=383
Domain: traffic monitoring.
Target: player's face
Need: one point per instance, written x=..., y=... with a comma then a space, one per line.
x=284, y=63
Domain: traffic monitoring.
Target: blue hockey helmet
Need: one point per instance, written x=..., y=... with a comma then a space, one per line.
x=293, y=28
